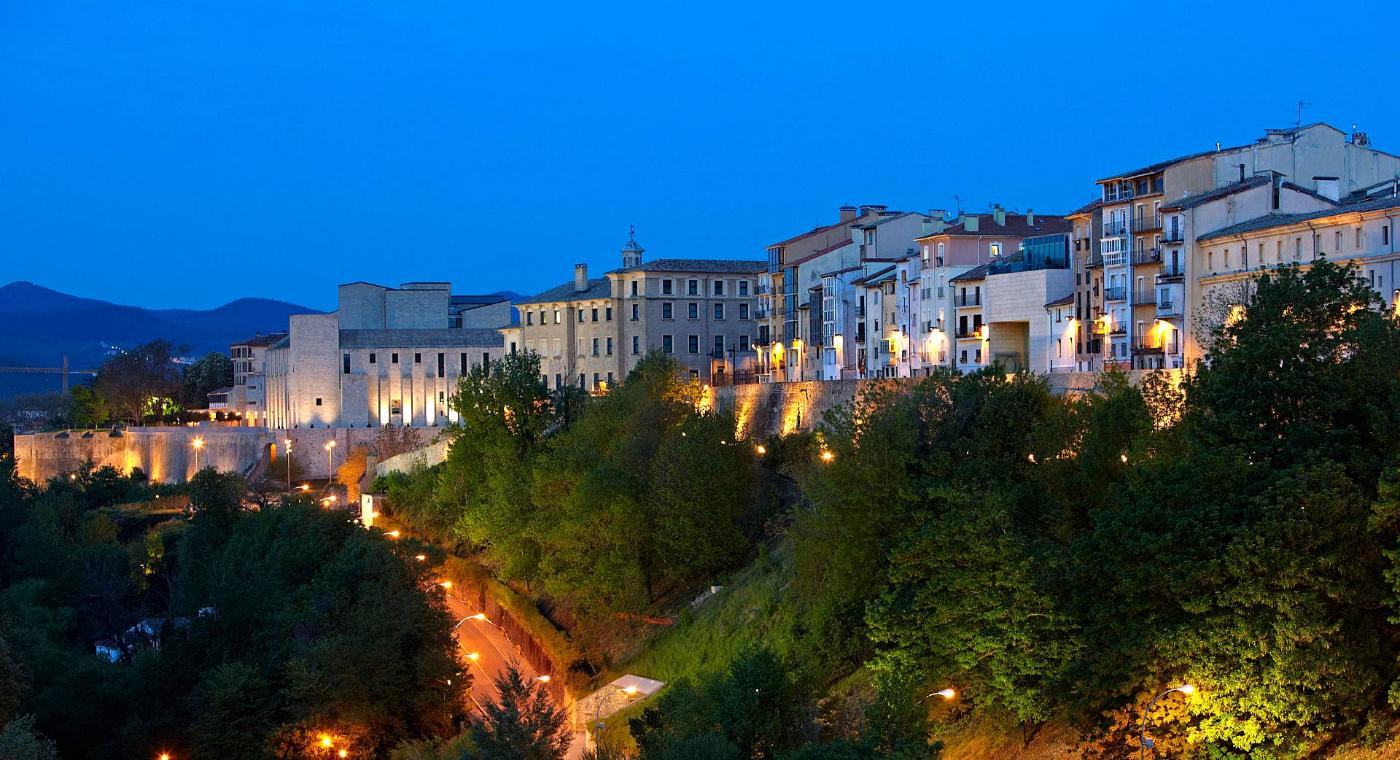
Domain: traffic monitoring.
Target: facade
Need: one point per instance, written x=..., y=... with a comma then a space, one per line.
x=247, y=396
x=954, y=286
x=1360, y=233
x=386, y=356
x=1143, y=240
x=591, y=332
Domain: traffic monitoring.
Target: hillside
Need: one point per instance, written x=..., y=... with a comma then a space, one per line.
x=39, y=326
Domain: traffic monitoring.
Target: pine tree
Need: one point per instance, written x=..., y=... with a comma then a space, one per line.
x=522, y=724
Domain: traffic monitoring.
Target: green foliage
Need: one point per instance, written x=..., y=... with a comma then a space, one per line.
x=140, y=382
x=208, y=373
x=19, y=741
x=522, y=723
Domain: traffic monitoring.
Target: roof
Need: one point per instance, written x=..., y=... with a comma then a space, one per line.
x=836, y=272
x=1283, y=220
x=261, y=340
x=1063, y=300
x=700, y=266
x=1192, y=201
x=873, y=276
x=975, y=273
x=1045, y=224
x=1086, y=208
x=598, y=287
x=1160, y=165
x=888, y=216
x=421, y=338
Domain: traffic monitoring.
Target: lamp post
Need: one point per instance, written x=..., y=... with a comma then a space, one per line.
x=1185, y=688
x=197, y=443
x=330, y=471
x=287, y=442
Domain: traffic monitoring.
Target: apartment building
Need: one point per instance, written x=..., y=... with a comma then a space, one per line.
x=1143, y=241
x=593, y=331
x=1361, y=232
x=955, y=257
x=247, y=396
x=386, y=356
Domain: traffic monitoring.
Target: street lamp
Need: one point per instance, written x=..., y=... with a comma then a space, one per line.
x=948, y=694
x=197, y=443
x=330, y=472
x=1185, y=688
x=287, y=442
x=828, y=456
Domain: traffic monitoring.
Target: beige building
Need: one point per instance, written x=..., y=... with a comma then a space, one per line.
x=1360, y=233
x=386, y=356
x=591, y=332
x=1145, y=250
x=247, y=396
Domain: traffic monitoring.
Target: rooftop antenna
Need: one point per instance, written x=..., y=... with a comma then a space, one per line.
x=1299, y=122
x=958, y=201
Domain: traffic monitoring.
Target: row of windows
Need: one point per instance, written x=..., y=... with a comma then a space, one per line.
x=418, y=359
x=692, y=311
x=668, y=344
x=692, y=287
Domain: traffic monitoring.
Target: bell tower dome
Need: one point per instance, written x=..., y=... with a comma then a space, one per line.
x=632, y=251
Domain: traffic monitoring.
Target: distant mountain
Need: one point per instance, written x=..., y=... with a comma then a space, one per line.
x=39, y=326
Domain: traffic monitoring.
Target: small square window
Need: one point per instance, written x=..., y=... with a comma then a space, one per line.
x=393, y=358
x=318, y=402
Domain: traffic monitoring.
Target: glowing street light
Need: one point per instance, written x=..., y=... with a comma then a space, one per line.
x=760, y=449
x=287, y=444
x=392, y=534
x=1186, y=688
x=947, y=694
x=543, y=678
x=828, y=456
x=330, y=452
x=197, y=443
x=164, y=756
x=445, y=584
x=343, y=753
x=421, y=557
x=326, y=741
x=481, y=616
x=473, y=656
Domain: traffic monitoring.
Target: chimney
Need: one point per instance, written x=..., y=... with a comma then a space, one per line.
x=1030, y=218
x=872, y=208
x=998, y=215
x=848, y=213
x=971, y=222
x=580, y=277
x=1242, y=172
x=926, y=227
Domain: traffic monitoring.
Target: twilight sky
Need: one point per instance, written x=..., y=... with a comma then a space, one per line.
x=185, y=153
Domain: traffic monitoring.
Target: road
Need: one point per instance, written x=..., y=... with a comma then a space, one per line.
x=487, y=650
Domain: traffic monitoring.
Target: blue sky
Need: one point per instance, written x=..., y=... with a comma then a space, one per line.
x=187, y=153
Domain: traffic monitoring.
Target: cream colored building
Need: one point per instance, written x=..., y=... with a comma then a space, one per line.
x=590, y=332
x=386, y=356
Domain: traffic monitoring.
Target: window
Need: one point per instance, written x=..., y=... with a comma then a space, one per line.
x=463, y=368
x=743, y=311
x=1338, y=241
x=595, y=346
x=667, y=344
x=417, y=358
x=743, y=287
x=372, y=358
x=442, y=365
x=346, y=364
x=692, y=287
x=719, y=311
x=996, y=249
x=608, y=314
x=634, y=312
x=596, y=378
x=634, y=287
x=393, y=358
x=636, y=345
x=667, y=311
x=1358, y=240
x=609, y=346
x=693, y=344
x=556, y=317
x=610, y=382
x=529, y=318
x=719, y=346
x=744, y=343
x=1226, y=254
x=580, y=316
x=940, y=255
x=719, y=287
x=318, y=401
x=693, y=310
x=1297, y=248
x=666, y=287
x=1385, y=234
x=1278, y=250
x=595, y=313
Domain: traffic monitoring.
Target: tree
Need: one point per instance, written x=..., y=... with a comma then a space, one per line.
x=522, y=723
x=88, y=408
x=140, y=382
x=206, y=374
x=19, y=741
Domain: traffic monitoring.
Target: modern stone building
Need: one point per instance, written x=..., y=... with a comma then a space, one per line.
x=247, y=396
x=591, y=332
x=386, y=356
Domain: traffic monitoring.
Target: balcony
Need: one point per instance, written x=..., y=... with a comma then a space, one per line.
x=1144, y=298
x=963, y=332
x=1147, y=222
x=1147, y=256
x=1115, y=229
x=1171, y=272
x=1168, y=308
x=1116, y=293
x=965, y=299
x=1173, y=235
x=1141, y=348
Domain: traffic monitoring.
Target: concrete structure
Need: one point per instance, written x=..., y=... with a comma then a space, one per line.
x=247, y=397
x=386, y=356
x=592, y=331
x=1142, y=244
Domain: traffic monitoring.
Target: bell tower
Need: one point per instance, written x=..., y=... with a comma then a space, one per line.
x=632, y=251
